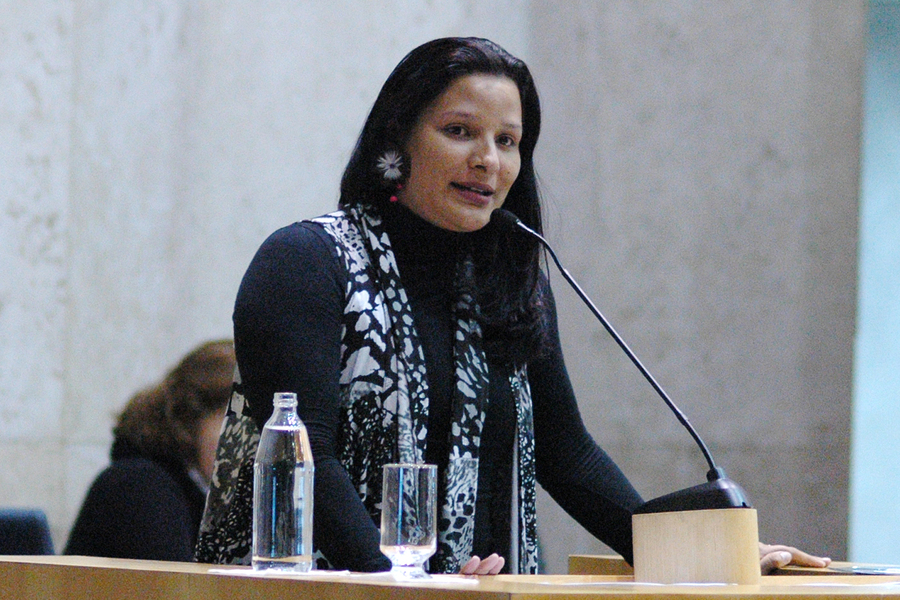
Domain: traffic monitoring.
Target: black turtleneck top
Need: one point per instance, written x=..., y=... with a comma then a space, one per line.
x=287, y=330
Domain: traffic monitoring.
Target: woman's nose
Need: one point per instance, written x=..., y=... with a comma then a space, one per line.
x=485, y=156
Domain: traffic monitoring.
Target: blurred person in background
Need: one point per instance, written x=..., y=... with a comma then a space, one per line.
x=148, y=503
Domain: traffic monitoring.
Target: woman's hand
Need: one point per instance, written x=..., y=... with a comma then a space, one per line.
x=775, y=557
x=489, y=566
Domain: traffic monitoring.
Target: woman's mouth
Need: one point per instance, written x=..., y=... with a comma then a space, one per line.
x=483, y=191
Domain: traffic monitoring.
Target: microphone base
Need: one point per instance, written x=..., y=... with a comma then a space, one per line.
x=719, y=493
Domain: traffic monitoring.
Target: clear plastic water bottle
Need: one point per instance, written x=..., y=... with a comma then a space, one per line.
x=283, y=491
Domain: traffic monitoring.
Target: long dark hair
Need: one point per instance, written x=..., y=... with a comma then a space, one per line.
x=163, y=421
x=508, y=265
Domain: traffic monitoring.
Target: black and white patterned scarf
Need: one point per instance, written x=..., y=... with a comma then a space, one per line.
x=384, y=400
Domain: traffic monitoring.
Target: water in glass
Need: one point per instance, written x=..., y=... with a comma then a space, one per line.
x=408, y=518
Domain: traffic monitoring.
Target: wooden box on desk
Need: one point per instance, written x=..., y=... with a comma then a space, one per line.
x=697, y=546
x=712, y=546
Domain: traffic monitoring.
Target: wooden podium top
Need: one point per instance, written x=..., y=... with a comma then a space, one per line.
x=76, y=578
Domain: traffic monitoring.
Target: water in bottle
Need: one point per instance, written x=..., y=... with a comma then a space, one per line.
x=283, y=491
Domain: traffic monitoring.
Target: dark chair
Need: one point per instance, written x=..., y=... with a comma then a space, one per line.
x=24, y=531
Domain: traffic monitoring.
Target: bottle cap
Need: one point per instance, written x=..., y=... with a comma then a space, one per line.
x=285, y=399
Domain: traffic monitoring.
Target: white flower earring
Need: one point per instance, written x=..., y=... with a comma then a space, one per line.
x=390, y=164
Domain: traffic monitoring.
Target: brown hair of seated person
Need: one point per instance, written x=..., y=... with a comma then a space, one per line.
x=167, y=420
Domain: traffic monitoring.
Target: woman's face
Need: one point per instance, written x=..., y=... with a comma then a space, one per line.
x=464, y=153
x=208, y=439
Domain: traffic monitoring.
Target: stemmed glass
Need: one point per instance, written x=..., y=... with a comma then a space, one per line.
x=409, y=518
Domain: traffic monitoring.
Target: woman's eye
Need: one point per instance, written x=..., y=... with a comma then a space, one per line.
x=507, y=140
x=456, y=130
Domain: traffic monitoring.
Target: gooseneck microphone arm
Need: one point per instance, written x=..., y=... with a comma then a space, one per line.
x=506, y=219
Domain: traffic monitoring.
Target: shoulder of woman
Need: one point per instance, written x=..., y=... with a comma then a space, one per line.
x=296, y=264
x=302, y=236
x=298, y=247
x=133, y=477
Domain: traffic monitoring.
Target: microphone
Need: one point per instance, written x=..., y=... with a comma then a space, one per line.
x=719, y=491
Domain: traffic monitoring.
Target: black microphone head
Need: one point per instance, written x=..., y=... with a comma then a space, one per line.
x=504, y=219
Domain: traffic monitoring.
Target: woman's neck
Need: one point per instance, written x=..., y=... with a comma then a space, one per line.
x=426, y=254
x=416, y=239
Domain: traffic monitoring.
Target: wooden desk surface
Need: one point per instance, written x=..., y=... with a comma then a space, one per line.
x=76, y=578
